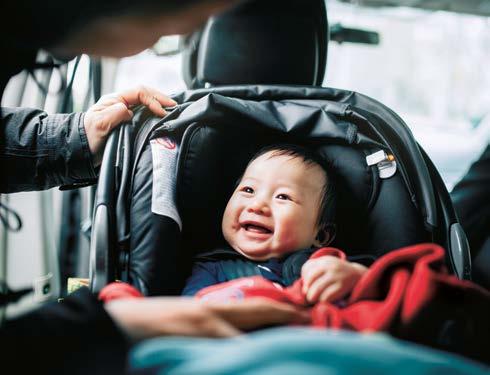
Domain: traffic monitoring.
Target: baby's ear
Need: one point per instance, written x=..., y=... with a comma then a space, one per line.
x=325, y=236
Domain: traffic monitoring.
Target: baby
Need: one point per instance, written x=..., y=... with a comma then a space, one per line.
x=280, y=212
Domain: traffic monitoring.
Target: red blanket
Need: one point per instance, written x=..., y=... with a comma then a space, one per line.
x=407, y=292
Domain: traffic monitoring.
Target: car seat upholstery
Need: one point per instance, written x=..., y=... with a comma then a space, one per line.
x=217, y=134
x=260, y=42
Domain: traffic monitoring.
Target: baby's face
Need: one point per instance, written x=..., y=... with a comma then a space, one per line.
x=275, y=208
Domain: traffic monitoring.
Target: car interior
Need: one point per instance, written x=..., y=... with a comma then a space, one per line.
x=254, y=75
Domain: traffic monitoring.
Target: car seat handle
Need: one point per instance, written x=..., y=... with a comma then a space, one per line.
x=103, y=243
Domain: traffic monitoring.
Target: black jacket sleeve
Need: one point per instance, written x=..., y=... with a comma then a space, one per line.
x=471, y=199
x=38, y=151
x=75, y=336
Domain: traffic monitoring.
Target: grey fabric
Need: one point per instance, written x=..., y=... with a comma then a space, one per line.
x=38, y=151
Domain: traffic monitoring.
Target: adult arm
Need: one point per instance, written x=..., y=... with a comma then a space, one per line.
x=142, y=318
x=38, y=151
x=471, y=199
x=82, y=336
x=76, y=336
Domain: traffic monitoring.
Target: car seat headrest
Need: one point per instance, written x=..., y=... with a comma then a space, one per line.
x=213, y=159
x=260, y=42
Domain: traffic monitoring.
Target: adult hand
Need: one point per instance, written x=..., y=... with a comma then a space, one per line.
x=258, y=312
x=142, y=318
x=112, y=109
x=329, y=278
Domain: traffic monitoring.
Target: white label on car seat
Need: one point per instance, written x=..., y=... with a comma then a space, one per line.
x=385, y=162
x=164, y=153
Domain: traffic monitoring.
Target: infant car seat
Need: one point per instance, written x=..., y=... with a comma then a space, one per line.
x=216, y=131
x=389, y=193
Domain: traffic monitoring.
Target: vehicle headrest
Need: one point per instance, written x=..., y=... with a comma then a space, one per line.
x=260, y=42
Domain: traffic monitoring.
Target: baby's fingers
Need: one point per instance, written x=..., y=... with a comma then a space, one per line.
x=314, y=292
x=310, y=273
x=332, y=293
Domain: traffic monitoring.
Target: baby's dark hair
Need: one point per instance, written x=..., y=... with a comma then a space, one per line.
x=309, y=157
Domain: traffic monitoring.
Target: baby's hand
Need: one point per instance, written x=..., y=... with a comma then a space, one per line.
x=329, y=278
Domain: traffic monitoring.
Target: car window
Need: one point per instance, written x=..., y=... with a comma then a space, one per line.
x=150, y=69
x=427, y=67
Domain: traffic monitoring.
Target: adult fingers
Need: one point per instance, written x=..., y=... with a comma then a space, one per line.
x=216, y=327
x=108, y=100
x=142, y=318
x=113, y=115
x=256, y=312
x=152, y=98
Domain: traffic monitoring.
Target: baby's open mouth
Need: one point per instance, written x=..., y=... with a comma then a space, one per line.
x=256, y=228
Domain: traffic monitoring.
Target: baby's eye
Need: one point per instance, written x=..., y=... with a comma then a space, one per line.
x=284, y=197
x=247, y=189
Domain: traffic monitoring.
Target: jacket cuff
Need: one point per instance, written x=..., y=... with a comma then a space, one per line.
x=85, y=148
x=73, y=156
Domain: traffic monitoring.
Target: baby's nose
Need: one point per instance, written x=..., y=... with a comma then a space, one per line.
x=259, y=206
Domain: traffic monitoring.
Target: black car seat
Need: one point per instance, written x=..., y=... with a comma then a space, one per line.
x=260, y=42
x=390, y=194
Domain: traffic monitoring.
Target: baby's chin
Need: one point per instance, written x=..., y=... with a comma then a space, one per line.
x=258, y=255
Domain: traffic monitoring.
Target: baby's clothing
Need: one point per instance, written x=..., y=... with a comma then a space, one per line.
x=226, y=264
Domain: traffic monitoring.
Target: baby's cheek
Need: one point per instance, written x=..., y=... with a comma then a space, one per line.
x=288, y=240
